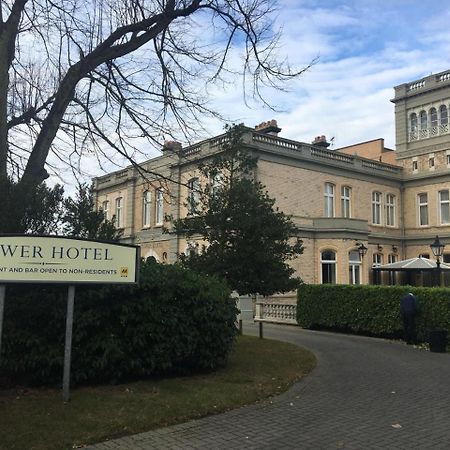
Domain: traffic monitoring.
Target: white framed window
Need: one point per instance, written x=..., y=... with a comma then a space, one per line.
x=193, y=195
x=376, y=208
x=346, y=194
x=448, y=158
x=192, y=248
x=431, y=162
x=433, y=117
x=354, y=267
x=159, y=206
x=444, y=207
x=216, y=183
x=119, y=212
x=328, y=267
x=390, y=210
x=329, y=200
x=422, y=200
x=415, y=165
x=105, y=209
x=413, y=122
x=146, y=209
x=377, y=261
x=392, y=275
x=443, y=115
x=423, y=120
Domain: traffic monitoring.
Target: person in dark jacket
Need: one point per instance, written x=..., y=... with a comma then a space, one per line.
x=408, y=309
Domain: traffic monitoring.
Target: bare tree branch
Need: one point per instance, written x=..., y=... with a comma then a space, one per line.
x=85, y=76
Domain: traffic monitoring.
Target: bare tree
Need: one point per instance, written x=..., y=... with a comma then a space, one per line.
x=82, y=76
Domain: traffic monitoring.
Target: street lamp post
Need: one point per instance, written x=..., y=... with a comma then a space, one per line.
x=437, y=247
x=362, y=250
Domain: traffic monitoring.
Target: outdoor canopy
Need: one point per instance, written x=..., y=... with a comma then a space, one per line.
x=417, y=263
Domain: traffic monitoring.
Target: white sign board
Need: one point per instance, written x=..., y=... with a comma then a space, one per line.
x=52, y=259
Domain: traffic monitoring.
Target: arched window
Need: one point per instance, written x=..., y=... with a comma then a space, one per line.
x=328, y=267
x=146, y=208
x=413, y=122
x=392, y=277
x=377, y=261
x=443, y=114
x=433, y=117
x=192, y=248
x=150, y=253
x=423, y=120
x=354, y=267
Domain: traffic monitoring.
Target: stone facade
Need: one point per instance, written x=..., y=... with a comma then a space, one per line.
x=339, y=199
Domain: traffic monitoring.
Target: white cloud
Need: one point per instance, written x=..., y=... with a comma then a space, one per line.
x=365, y=48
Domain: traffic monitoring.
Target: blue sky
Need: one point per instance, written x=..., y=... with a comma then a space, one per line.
x=364, y=49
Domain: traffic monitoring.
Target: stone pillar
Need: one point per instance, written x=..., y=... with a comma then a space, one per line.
x=130, y=213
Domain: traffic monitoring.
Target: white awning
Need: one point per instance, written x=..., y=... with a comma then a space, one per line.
x=418, y=263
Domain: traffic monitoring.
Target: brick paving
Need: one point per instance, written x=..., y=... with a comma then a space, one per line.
x=364, y=394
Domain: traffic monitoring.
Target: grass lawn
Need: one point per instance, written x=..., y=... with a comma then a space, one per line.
x=37, y=419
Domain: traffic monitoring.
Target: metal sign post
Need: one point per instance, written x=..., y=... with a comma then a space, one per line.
x=2, y=307
x=68, y=344
x=61, y=259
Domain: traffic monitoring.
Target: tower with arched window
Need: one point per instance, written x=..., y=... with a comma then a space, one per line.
x=421, y=117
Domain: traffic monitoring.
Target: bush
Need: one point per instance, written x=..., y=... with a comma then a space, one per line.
x=175, y=321
x=370, y=310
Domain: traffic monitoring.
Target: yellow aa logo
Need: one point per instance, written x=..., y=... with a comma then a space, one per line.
x=124, y=271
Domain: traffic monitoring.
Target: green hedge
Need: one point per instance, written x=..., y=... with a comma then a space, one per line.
x=175, y=321
x=370, y=310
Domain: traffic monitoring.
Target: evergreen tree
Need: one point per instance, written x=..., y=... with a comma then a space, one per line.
x=43, y=210
x=82, y=219
x=249, y=241
x=34, y=211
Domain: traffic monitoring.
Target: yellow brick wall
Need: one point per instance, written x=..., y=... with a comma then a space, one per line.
x=412, y=209
x=300, y=192
x=111, y=196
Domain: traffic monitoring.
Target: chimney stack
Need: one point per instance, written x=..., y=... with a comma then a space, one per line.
x=269, y=127
x=172, y=146
x=320, y=141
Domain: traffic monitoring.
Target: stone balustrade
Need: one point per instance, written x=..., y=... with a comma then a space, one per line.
x=276, y=312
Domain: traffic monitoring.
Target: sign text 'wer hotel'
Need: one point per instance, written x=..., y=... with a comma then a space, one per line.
x=53, y=259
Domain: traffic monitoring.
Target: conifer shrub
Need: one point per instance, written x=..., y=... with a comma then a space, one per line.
x=175, y=321
x=370, y=310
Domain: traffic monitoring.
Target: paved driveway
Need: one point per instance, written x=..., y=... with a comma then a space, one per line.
x=364, y=394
